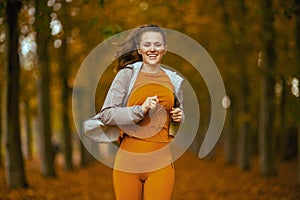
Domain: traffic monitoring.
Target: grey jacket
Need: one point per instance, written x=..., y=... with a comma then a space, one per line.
x=114, y=111
x=102, y=127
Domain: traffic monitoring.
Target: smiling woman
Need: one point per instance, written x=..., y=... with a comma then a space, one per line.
x=141, y=101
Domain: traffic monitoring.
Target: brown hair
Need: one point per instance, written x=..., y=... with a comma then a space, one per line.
x=127, y=53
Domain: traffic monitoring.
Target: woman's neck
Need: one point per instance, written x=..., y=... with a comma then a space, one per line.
x=151, y=69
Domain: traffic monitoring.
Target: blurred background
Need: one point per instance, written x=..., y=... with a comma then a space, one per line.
x=255, y=45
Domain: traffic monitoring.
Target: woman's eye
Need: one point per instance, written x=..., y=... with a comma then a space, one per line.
x=156, y=45
x=146, y=45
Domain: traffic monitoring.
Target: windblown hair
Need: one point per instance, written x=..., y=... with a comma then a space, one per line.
x=128, y=53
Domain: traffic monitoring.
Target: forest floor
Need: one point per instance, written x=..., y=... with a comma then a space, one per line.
x=196, y=179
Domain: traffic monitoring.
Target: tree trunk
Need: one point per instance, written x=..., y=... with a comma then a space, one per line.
x=244, y=129
x=281, y=125
x=243, y=89
x=66, y=90
x=45, y=143
x=297, y=35
x=85, y=156
x=28, y=129
x=267, y=97
x=65, y=100
x=14, y=164
x=298, y=151
x=230, y=138
x=230, y=134
x=266, y=132
x=244, y=155
x=1, y=122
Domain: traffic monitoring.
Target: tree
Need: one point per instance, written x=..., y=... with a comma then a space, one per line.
x=238, y=55
x=267, y=61
x=229, y=136
x=2, y=84
x=66, y=90
x=297, y=34
x=229, y=130
x=28, y=129
x=1, y=127
x=244, y=128
x=15, y=173
x=45, y=132
x=28, y=102
x=65, y=100
x=2, y=95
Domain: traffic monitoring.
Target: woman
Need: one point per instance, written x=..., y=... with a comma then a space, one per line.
x=141, y=101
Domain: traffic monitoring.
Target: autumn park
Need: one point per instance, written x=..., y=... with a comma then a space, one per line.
x=254, y=46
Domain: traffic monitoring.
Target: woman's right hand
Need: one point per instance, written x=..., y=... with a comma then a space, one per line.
x=150, y=103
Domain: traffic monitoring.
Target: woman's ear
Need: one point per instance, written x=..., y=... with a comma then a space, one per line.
x=166, y=49
x=138, y=49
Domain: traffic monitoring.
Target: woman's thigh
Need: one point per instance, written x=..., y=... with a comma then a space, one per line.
x=127, y=186
x=159, y=184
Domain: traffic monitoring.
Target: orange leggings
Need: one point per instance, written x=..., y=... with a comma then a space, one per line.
x=153, y=185
x=157, y=185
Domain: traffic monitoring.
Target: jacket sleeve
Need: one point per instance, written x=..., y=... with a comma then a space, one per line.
x=113, y=112
x=179, y=103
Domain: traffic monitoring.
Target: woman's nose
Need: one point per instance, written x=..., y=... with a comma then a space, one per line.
x=153, y=48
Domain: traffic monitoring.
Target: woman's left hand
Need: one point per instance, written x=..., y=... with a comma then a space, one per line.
x=176, y=114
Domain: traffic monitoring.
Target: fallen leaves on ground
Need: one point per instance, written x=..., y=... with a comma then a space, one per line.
x=196, y=179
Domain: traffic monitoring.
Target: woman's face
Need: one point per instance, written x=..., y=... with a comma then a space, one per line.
x=152, y=48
